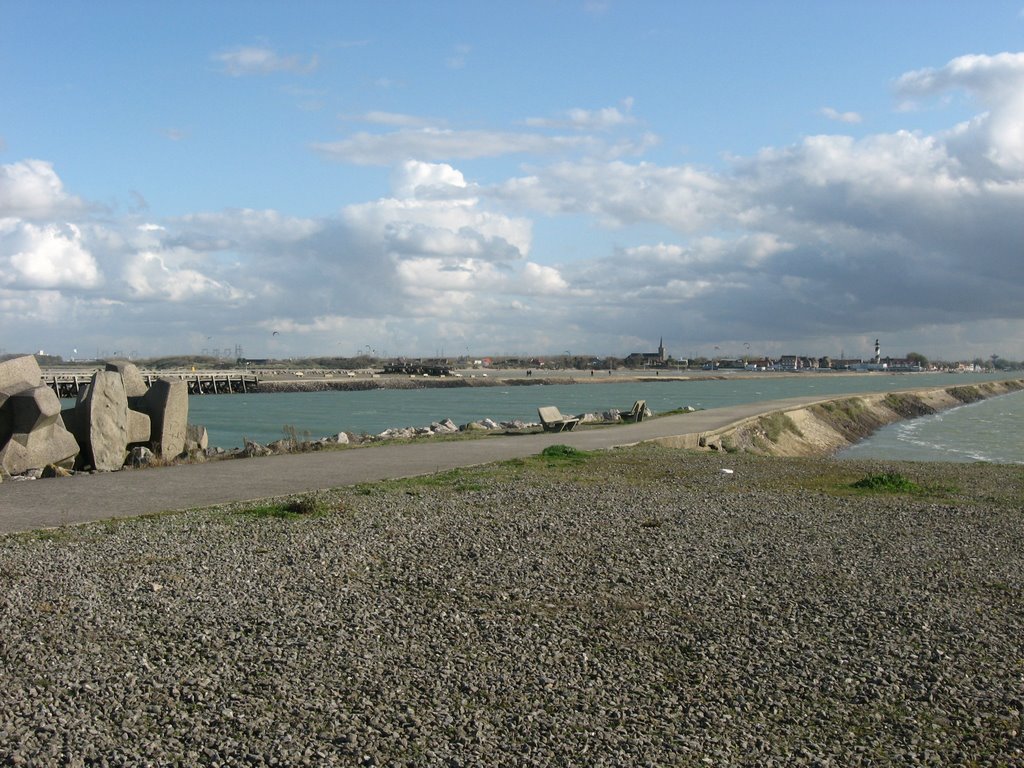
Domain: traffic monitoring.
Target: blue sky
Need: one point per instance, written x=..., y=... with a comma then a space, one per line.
x=799, y=177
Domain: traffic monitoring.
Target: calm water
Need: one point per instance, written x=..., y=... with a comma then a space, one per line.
x=990, y=430
x=262, y=417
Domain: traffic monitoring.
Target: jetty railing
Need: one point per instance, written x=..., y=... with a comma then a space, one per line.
x=70, y=385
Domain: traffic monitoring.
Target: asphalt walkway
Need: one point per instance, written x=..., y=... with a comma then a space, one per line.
x=29, y=505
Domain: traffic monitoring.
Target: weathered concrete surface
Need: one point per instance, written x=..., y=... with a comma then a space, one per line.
x=103, y=422
x=32, y=434
x=166, y=402
x=33, y=408
x=20, y=373
x=134, y=384
x=139, y=427
x=50, y=445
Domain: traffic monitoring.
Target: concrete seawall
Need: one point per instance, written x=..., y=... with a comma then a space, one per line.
x=825, y=427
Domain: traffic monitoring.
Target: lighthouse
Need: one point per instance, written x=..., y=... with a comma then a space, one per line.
x=878, y=353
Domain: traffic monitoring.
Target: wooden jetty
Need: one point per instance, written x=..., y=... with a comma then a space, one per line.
x=70, y=385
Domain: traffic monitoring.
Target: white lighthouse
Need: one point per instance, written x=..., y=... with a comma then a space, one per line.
x=878, y=353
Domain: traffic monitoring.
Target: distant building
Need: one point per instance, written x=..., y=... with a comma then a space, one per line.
x=648, y=359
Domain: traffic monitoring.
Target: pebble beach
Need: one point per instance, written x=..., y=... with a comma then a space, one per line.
x=639, y=606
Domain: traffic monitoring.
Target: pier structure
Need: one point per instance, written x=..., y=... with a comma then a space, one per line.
x=70, y=384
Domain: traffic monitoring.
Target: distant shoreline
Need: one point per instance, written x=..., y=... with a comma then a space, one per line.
x=518, y=378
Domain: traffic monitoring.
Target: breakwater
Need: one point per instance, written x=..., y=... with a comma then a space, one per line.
x=827, y=427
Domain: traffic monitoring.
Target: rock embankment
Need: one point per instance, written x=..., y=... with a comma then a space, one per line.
x=642, y=608
x=829, y=426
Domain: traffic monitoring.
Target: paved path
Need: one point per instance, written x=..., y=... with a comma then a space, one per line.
x=28, y=505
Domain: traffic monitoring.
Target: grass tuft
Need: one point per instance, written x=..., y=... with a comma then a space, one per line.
x=565, y=454
x=313, y=504
x=887, y=482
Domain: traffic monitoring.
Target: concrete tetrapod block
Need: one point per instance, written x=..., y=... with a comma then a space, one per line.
x=20, y=373
x=33, y=409
x=51, y=444
x=139, y=427
x=166, y=402
x=104, y=419
x=32, y=434
x=134, y=384
x=6, y=422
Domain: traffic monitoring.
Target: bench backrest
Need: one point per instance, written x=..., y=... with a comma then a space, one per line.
x=549, y=414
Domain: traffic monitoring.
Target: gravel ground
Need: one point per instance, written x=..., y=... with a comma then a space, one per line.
x=639, y=608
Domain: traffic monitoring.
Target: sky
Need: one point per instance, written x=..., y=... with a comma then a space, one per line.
x=530, y=178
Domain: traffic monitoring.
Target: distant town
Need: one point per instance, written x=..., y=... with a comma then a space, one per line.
x=655, y=361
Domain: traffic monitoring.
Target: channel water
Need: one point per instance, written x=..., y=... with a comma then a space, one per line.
x=265, y=417
x=989, y=430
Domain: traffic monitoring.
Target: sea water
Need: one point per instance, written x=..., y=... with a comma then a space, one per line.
x=264, y=417
x=989, y=430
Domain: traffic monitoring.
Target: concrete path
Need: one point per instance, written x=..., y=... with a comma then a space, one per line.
x=28, y=505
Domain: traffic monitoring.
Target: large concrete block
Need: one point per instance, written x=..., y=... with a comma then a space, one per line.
x=20, y=373
x=104, y=419
x=139, y=427
x=51, y=444
x=33, y=409
x=166, y=402
x=6, y=422
x=134, y=384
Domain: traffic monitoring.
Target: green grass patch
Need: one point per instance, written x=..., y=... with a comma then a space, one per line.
x=564, y=454
x=314, y=504
x=887, y=482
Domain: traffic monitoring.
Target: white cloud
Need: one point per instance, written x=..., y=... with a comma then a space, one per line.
x=435, y=144
x=603, y=119
x=31, y=189
x=45, y=256
x=841, y=117
x=418, y=179
x=394, y=119
x=619, y=193
x=245, y=227
x=993, y=142
x=149, y=276
x=258, y=60
x=434, y=214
